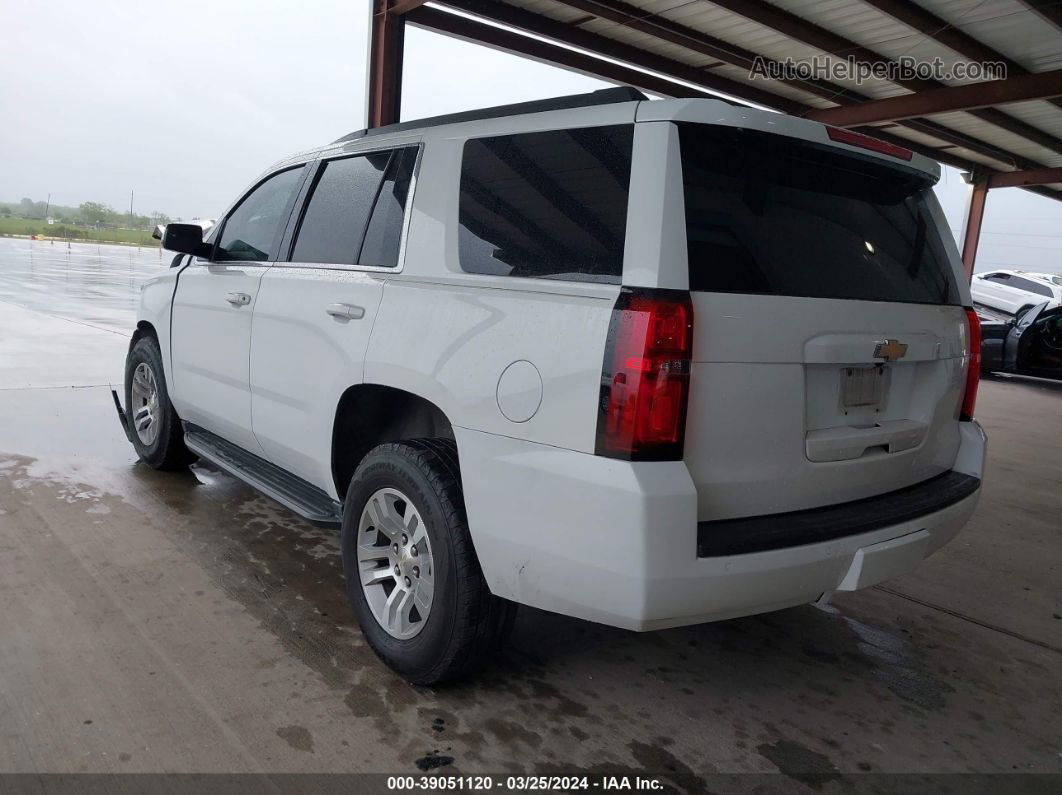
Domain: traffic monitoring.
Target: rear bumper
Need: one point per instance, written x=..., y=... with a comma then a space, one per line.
x=799, y=528
x=616, y=542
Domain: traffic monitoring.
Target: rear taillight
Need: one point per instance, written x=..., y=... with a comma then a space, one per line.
x=645, y=379
x=973, y=356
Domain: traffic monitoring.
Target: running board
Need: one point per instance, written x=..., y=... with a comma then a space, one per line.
x=308, y=501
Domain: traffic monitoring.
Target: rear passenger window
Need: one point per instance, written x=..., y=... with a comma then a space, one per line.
x=384, y=233
x=549, y=205
x=338, y=209
x=356, y=209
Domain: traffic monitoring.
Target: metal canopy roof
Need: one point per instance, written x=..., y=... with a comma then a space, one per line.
x=691, y=47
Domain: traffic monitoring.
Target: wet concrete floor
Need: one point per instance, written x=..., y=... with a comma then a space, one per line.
x=180, y=622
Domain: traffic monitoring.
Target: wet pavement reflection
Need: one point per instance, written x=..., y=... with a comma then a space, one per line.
x=96, y=284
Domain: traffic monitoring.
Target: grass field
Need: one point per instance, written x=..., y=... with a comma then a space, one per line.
x=27, y=226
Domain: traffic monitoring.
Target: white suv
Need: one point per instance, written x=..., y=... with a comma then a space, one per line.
x=1016, y=291
x=643, y=363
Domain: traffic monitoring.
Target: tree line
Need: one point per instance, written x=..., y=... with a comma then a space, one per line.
x=94, y=214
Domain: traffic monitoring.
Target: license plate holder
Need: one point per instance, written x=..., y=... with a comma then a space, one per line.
x=862, y=388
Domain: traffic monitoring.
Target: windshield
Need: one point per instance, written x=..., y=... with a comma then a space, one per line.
x=773, y=215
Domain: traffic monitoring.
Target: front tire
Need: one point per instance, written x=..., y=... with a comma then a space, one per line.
x=154, y=427
x=413, y=579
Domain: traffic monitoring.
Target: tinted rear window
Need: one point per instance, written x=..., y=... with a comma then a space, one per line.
x=338, y=210
x=384, y=232
x=549, y=205
x=769, y=215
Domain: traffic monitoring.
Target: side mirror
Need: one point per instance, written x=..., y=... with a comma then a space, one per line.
x=186, y=239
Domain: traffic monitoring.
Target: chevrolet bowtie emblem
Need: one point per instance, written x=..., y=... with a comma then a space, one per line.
x=890, y=350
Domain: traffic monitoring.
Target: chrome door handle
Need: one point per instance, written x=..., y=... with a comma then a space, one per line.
x=345, y=311
x=238, y=299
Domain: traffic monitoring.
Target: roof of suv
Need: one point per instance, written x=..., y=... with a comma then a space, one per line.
x=604, y=96
x=699, y=110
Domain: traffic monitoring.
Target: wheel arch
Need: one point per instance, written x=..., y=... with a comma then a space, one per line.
x=143, y=329
x=371, y=414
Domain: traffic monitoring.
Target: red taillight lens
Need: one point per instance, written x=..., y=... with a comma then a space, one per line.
x=843, y=136
x=973, y=356
x=645, y=379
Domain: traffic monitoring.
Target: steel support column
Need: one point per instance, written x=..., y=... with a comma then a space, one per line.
x=385, y=63
x=971, y=225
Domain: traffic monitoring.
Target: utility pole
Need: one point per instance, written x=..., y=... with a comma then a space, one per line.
x=130, y=208
x=47, y=206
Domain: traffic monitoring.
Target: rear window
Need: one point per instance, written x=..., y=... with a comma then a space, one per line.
x=769, y=215
x=549, y=205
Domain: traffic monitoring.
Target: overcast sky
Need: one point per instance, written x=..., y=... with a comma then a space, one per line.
x=186, y=103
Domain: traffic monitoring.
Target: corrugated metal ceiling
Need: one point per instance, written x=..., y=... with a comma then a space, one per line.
x=755, y=27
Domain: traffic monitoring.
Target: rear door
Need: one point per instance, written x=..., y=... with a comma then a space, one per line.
x=212, y=305
x=828, y=324
x=315, y=311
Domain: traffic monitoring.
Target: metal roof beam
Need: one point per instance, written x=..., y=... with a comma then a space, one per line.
x=922, y=21
x=802, y=30
x=1050, y=10
x=664, y=29
x=629, y=16
x=934, y=27
x=385, y=63
x=547, y=51
x=399, y=7
x=1042, y=85
x=1019, y=179
x=610, y=48
x=491, y=36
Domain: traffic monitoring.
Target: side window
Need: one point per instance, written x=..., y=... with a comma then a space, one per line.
x=355, y=212
x=1003, y=278
x=549, y=205
x=384, y=233
x=338, y=210
x=1030, y=286
x=252, y=231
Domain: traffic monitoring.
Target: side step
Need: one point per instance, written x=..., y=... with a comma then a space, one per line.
x=292, y=492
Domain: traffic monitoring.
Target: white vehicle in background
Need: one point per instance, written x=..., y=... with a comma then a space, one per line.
x=642, y=363
x=1015, y=291
x=1053, y=278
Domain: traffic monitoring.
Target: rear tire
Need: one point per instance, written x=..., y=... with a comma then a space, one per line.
x=425, y=608
x=154, y=427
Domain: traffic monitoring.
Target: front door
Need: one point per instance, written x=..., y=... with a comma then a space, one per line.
x=212, y=306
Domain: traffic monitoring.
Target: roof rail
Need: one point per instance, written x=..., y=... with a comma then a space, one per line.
x=604, y=96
